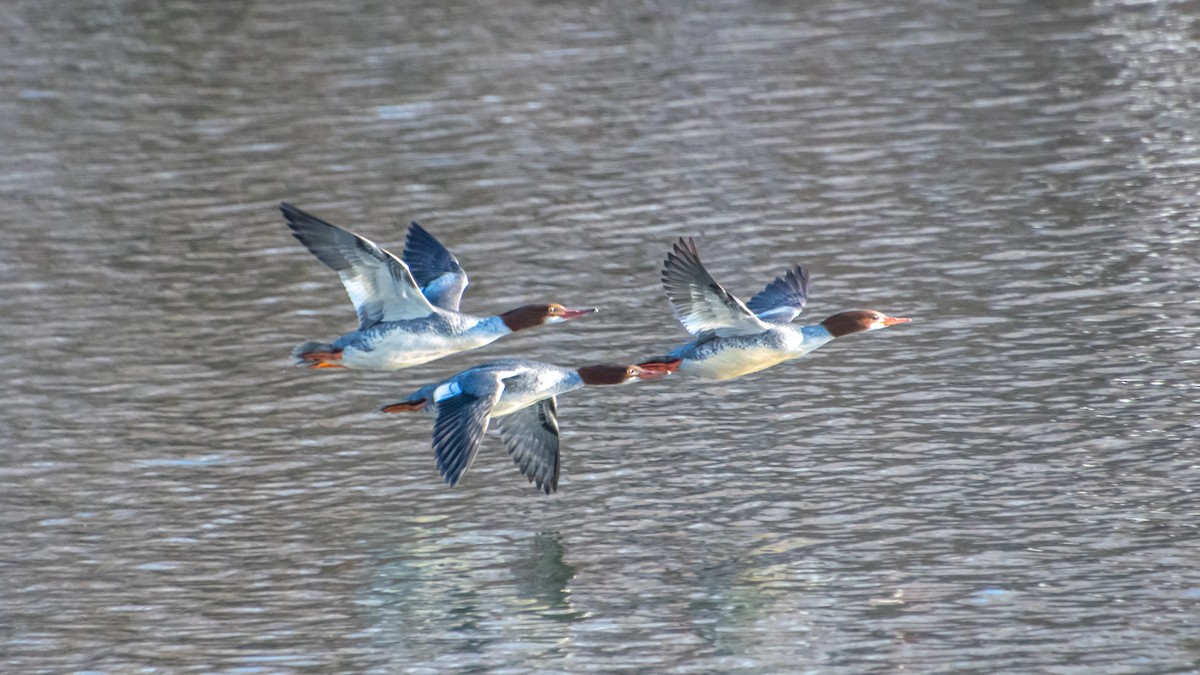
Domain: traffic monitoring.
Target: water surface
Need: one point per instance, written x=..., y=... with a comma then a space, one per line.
x=1008, y=484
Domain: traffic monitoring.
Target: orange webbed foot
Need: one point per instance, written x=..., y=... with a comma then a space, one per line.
x=405, y=406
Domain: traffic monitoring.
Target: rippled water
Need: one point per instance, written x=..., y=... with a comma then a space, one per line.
x=1007, y=484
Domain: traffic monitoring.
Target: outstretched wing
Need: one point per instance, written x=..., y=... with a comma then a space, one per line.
x=434, y=268
x=700, y=303
x=783, y=299
x=378, y=283
x=531, y=438
x=464, y=408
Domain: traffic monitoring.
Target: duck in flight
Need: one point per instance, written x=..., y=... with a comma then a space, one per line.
x=521, y=396
x=407, y=307
x=735, y=338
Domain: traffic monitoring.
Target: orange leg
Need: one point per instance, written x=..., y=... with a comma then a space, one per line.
x=405, y=406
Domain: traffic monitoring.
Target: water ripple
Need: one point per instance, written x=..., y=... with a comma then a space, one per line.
x=1005, y=484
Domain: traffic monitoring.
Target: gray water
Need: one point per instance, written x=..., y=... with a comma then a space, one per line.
x=1008, y=484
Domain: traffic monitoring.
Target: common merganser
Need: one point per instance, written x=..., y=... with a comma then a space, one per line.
x=407, y=308
x=735, y=338
x=520, y=395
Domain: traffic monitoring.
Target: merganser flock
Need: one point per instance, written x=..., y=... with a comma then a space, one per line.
x=408, y=314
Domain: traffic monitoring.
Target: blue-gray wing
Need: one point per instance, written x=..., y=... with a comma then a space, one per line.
x=378, y=283
x=463, y=412
x=435, y=269
x=531, y=438
x=783, y=299
x=702, y=305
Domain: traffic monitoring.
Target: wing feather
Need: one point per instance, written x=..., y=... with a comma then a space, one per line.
x=783, y=299
x=462, y=421
x=531, y=438
x=702, y=305
x=379, y=284
x=435, y=269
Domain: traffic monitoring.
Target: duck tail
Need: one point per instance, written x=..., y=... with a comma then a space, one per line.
x=317, y=355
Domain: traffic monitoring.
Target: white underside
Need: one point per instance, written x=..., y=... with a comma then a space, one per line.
x=510, y=401
x=732, y=363
x=545, y=384
x=402, y=350
x=510, y=405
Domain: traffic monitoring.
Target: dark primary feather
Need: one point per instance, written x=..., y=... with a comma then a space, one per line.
x=783, y=299
x=338, y=249
x=701, y=304
x=435, y=269
x=531, y=438
x=378, y=283
x=462, y=421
